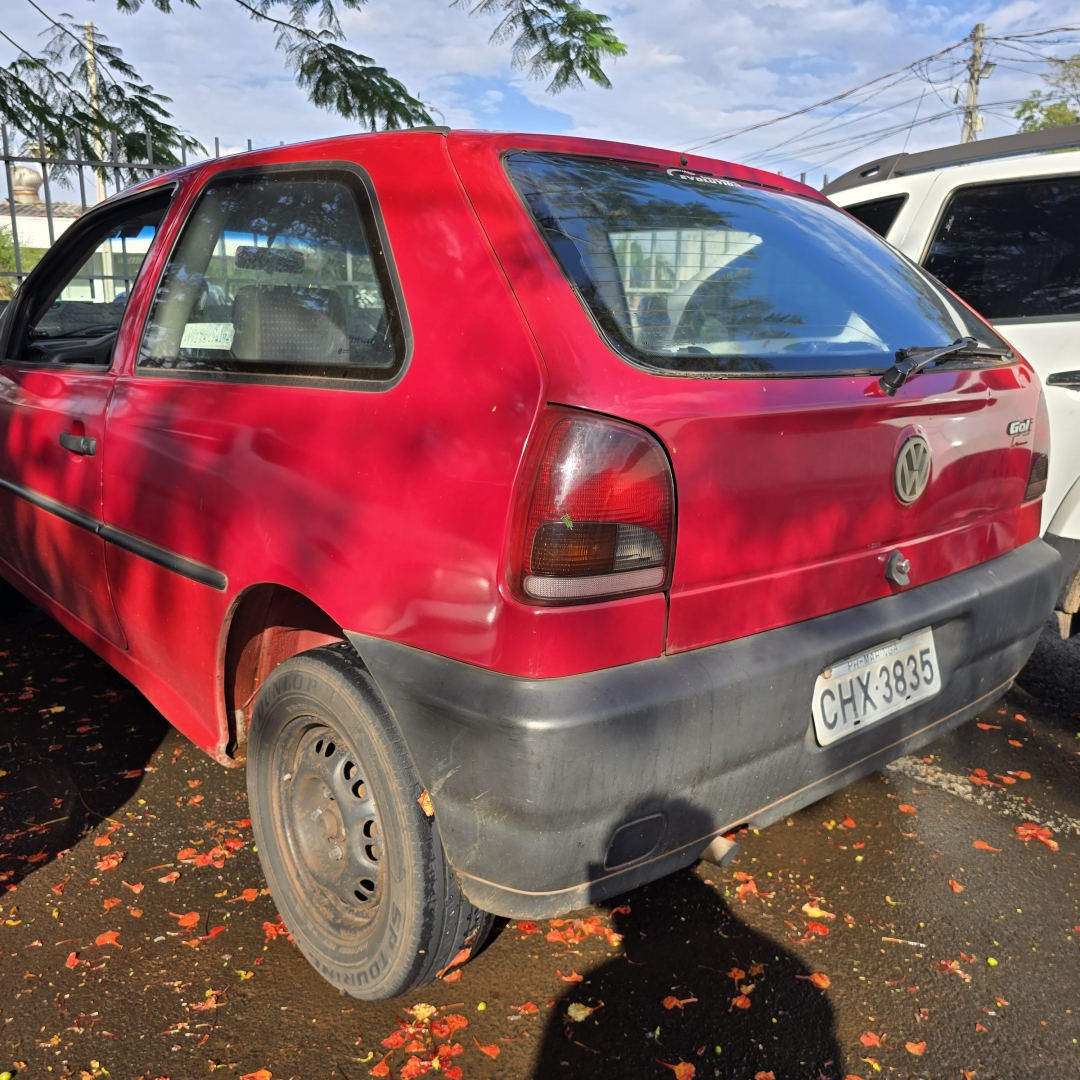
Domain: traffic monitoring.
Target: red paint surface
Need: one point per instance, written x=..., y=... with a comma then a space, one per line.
x=785, y=499
x=390, y=510
x=65, y=561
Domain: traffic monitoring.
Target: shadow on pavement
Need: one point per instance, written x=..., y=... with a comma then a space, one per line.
x=683, y=941
x=1053, y=674
x=63, y=768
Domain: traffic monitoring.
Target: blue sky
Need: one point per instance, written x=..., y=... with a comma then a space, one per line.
x=695, y=69
x=497, y=103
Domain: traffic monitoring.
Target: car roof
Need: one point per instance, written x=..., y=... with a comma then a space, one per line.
x=987, y=150
x=501, y=141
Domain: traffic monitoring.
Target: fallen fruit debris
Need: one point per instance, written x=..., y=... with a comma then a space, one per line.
x=683, y=1070
x=1030, y=831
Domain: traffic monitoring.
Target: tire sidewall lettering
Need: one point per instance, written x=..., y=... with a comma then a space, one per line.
x=295, y=680
x=403, y=944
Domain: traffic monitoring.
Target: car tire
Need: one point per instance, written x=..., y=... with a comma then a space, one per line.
x=356, y=867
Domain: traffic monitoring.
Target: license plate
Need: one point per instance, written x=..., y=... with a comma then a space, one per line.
x=884, y=680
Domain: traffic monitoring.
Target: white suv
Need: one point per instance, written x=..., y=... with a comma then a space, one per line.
x=999, y=223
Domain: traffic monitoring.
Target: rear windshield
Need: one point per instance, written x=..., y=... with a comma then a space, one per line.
x=685, y=272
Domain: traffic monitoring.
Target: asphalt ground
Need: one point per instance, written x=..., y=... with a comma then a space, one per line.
x=949, y=946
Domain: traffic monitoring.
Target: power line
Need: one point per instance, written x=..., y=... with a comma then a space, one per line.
x=828, y=125
x=59, y=76
x=859, y=140
x=1022, y=42
x=872, y=137
x=830, y=121
x=878, y=133
x=82, y=44
x=1034, y=33
x=914, y=121
x=828, y=101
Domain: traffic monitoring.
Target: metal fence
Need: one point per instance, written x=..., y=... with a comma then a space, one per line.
x=109, y=168
x=106, y=167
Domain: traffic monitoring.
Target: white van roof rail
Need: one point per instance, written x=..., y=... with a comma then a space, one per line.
x=1028, y=142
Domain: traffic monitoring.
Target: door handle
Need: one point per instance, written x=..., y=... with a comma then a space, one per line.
x=78, y=444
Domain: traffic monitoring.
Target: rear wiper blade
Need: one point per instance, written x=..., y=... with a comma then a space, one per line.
x=911, y=361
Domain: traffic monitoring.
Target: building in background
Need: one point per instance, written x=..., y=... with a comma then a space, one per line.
x=31, y=215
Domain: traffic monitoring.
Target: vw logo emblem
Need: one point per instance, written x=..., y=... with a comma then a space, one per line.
x=912, y=471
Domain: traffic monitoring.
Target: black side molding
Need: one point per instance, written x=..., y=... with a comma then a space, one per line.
x=170, y=560
x=160, y=556
x=51, y=506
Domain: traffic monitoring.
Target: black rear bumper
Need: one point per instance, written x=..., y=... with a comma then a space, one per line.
x=553, y=793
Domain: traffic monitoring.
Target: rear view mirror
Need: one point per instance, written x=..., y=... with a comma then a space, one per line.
x=270, y=260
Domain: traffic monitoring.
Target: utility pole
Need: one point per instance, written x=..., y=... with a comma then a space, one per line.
x=977, y=71
x=92, y=83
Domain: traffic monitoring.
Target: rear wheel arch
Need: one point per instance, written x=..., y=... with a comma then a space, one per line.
x=268, y=624
x=354, y=862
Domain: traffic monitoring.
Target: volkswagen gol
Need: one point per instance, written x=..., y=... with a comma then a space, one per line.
x=525, y=512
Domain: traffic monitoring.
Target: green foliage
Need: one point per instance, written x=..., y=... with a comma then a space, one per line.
x=549, y=36
x=1064, y=78
x=50, y=100
x=7, y=262
x=351, y=85
x=27, y=256
x=126, y=105
x=53, y=92
x=557, y=35
x=1060, y=106
x=164, y=6
x=1039, y=111
x=336, y=78
x=20, y=103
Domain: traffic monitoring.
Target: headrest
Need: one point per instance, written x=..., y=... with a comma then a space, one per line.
x=289, y=324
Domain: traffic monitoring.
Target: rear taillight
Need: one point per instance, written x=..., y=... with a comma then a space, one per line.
x=1040, y=469
x=599, y=521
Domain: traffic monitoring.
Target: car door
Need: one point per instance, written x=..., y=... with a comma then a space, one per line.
x=1011, y=249
x=235, y=435
x=56, y=378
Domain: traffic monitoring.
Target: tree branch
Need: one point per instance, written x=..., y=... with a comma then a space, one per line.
x=336, y=78
x=558, y=36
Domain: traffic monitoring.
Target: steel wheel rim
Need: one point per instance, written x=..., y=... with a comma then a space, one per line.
x=331, y=824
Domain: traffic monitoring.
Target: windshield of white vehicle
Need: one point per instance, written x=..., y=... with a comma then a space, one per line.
x=686, y=272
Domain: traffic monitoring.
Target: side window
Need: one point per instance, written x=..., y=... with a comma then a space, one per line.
x=878, y=214
x=277, y=274
x=1013, y=249
x=77, y=296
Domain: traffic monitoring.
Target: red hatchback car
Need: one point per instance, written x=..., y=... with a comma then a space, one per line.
x=527, y=512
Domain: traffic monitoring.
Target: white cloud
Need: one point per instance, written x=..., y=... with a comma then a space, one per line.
x=694, y=69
